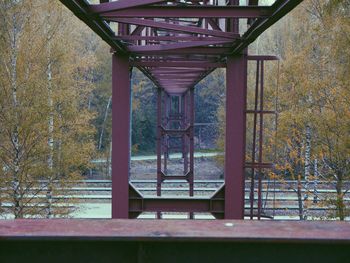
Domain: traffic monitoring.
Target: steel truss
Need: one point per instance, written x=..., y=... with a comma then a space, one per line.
x=176, y=43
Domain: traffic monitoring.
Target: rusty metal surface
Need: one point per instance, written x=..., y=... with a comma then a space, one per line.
x=177, y=230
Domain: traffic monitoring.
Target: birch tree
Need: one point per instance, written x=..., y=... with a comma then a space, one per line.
x=45, y=80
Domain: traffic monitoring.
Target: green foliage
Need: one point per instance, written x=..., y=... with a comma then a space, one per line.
x=144, y=113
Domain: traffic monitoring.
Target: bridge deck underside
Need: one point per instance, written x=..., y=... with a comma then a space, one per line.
x=176, y=43
x=168, y=39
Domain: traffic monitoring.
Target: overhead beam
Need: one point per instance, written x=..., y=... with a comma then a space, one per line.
x=80, y=8
x=194, y=50
x=176, y=64
x=172, y=27
x=278, y=10
x=121, y=4
x=190, y=11
x=177, y=70
x=174, y=46
x=259, y=57
x=171, y=38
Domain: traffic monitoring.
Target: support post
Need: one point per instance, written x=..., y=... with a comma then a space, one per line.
x=186, y=140
x=159, y=142
x=236, y=82
x=121, y=110
x=191, y=179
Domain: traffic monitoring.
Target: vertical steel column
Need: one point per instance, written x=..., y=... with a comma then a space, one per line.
x=252, y=182
x=261, y=132
x=120, y=135
x=191, y=108
x=166, y=112
x=160, y=145
x=159, y=142
x=191, y=139
x=236, y=83
x=183, y=126
x=186, y=137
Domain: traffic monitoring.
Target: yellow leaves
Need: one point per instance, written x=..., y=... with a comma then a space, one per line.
x=71, y=69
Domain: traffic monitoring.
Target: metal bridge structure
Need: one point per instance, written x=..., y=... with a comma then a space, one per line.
x=176, y=43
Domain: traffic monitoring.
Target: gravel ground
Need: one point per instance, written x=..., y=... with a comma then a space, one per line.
x=205, y=168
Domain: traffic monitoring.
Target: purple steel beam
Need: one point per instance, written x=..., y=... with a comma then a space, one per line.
x=279, y=9
x=137, y=31
x=179, y=117
x=176, y=90
x=166, y=109
x=186, y=121
x=178, y=64
x=172, y=78
x=81, y=9
x=176, y=84
x=213, y=24
x=191, y=139
x=232, y=24
x=121, y=4
x=180, y=86
x=171, y=38
x=139, y=203
x=111, y=241
x=172, y=27
x=188, y=51
x=176, y=71
x=147, y=44
x=120, y=135
x=159, y=141
x=176, y=204
x=261, y=232
x=180, y=45
x=259, y=57
x=189, y=11
x=236, y=74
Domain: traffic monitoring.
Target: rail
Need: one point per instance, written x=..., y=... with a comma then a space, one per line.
x=278, y=202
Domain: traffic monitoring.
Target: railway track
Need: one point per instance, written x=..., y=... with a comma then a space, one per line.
x=279, y=199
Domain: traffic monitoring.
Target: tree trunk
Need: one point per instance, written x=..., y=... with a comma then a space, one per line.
x=315, y=181
x=298, y=172
x=104, y=123
x=307, y=168
x=300, y=199
x=340, y=206
x=16, y=187
x=50, y=120
x=108, y=163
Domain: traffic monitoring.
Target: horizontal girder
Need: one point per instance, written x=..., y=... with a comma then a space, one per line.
x=195, y=36
x=169, y=11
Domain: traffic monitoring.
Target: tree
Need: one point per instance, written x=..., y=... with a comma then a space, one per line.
x=313, y=124
x=45, y=134
x=314, y=101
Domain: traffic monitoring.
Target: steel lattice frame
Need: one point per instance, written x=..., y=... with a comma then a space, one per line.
x=176, y=44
